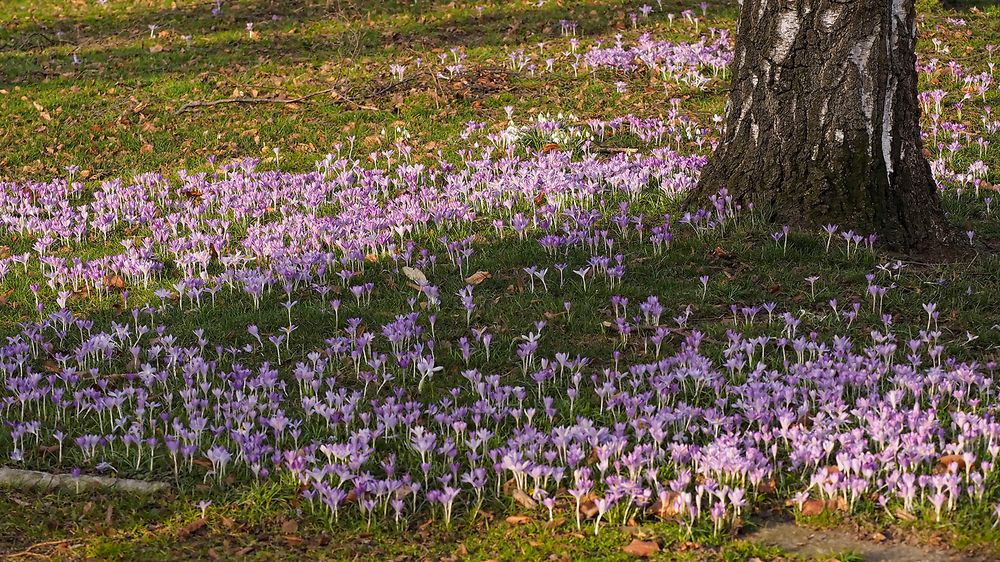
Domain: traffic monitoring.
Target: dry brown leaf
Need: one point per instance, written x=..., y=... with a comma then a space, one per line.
x=946, y=461
x=588, y=509
x=289, y=526
x=813, y=507
x=518, y=519
x=665, y=510
x=478, y=277
x=837, y=504
x=114, y=282
x=641, y=549
x=554, y=523
x=523, y=499
x=48, y=449
x=192, y=528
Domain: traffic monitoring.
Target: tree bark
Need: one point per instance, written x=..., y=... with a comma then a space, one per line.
x=822, y=123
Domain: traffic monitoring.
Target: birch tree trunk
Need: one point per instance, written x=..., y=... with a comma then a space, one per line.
x=822, y=122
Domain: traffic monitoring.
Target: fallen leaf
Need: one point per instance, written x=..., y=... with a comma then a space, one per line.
x=588, y=509
x=904, y=515
x=523, y=499
x=48, y=449
x=415, y=275
x=813, y=507
x=720, y=252
x=289, y=527
x=946, y=461
x=555, y=523
x=114, y=282
x=642, y=549
x=192, y=528
x=837, y=504
x=667, y=509
x=478, y=277
x=518, y=519
x=688, y=545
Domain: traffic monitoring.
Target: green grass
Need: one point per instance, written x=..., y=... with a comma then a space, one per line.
x=113, y=115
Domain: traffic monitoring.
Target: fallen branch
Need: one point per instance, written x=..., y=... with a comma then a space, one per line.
x=33, y=479
x=194, y=104
x=616, y=150
x=284, y=101
x=30, y=551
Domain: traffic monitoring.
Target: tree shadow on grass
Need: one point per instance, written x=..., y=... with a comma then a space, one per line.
x=119, y=45
x=432, y=23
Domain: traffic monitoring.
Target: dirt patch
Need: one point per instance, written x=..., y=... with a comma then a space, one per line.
x=824, y=543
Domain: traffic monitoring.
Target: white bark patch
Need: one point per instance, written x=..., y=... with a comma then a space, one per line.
x=890, y=94
x=788, y=29
x=828, y=19
x=747, y=102
x=760, y=9
x=899, y=15
x=860, y=54
x=838, y=135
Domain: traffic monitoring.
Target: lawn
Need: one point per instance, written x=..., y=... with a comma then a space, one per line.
x=374, y=280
